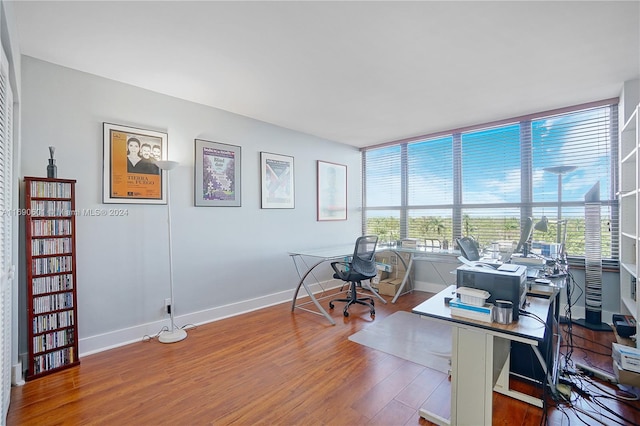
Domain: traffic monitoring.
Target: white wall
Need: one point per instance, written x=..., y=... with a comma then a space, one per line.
x=223, y=256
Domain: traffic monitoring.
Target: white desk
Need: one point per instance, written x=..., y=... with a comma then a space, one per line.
x=480, y=358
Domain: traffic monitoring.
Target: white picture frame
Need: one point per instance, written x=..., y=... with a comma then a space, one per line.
x=277, y=181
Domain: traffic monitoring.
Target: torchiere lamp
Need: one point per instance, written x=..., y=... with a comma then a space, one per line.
x=559, y=170
x=175, y=334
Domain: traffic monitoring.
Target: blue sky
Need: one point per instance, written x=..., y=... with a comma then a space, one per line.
x=491, y=164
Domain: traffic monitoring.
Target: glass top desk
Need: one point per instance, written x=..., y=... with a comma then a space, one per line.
x=305, y=261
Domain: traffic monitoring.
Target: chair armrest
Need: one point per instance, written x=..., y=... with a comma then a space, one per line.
x=340, y=271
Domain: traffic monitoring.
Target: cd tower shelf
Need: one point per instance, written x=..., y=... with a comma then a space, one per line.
x=51, y=275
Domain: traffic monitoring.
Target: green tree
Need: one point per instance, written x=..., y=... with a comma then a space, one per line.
x=469, y=228
x=510, y=228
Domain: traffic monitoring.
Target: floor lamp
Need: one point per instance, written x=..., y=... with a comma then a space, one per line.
x=559, y=170
x=174, y=334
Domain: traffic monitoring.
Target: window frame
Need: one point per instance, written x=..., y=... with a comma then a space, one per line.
x=526, y=203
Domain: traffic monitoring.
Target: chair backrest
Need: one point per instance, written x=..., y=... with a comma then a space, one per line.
x=468, y=248
x=364, y=261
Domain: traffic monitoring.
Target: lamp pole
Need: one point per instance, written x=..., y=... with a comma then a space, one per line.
x=559, y=170
x=173, y=335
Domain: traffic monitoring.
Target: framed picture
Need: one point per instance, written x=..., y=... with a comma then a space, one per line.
x=217, y=174
x=130, y=174
x=332, y=191
x=276, y=174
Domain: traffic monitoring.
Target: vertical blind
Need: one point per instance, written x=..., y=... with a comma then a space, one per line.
x=486, y=181
x=6, y=275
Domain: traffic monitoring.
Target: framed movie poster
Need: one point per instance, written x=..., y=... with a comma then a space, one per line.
x=217, y=174
x=332, y=191
x=276, y=175
x=130, y=174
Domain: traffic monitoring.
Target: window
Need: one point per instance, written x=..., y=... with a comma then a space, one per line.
x=486, y=180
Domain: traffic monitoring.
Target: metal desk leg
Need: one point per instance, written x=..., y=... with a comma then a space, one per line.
x=375, y=293
x=309, y=292
x=405, y=278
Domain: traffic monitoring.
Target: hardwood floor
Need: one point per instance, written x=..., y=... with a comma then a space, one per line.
x=277, y=368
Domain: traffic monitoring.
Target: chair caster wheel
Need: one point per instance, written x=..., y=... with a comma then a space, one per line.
x=346, y=314
x=331, y=305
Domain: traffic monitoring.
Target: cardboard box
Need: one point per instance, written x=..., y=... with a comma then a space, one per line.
x=397, y=267
x=380, y=266
x=626, y=377
x=409, y=243
x=389, y=287
x=382, y=275
x=383, y=258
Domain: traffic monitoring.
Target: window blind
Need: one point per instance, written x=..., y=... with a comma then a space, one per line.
x=383, y=192
x=485, y=181
x=6, y=277
x=570, y=154
x=491, y=166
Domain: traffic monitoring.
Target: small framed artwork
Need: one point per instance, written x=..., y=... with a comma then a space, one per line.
x=332, y=191
x=276, y=175
x=130, y=175
x=217, y=174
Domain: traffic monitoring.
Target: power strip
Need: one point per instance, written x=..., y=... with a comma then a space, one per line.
x=565, y=390
x=603, y=375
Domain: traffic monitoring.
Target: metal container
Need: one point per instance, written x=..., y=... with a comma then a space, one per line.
x=503, y=312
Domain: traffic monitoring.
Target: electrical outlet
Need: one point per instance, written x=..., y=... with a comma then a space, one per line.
x=167, y=302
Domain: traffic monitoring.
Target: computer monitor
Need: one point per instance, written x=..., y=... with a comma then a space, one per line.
x=468, y=248
x=525, y=234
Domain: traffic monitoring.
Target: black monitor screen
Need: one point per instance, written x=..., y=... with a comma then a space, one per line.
x=525, y=234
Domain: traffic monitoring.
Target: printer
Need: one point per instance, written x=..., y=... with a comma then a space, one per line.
x=504, y=282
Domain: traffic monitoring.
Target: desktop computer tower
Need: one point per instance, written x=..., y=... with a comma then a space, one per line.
x=525, y=363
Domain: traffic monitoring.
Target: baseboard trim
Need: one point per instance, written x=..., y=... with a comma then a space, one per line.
x=113, y=339
x=430, y=287
x=17, y=374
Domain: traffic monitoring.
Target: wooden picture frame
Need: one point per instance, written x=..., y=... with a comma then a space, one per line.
x=332, y=191
x=217, y=174
x=277, y=181
x=130, y=175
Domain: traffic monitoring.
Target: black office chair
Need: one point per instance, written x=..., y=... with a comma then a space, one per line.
x=361, y=267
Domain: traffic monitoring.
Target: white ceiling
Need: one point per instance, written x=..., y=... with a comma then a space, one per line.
x=359, y=73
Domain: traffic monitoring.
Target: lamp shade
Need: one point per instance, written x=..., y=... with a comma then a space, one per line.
x=542, y=225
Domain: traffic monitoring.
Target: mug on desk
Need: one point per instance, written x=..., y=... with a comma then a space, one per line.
x=503, y=312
